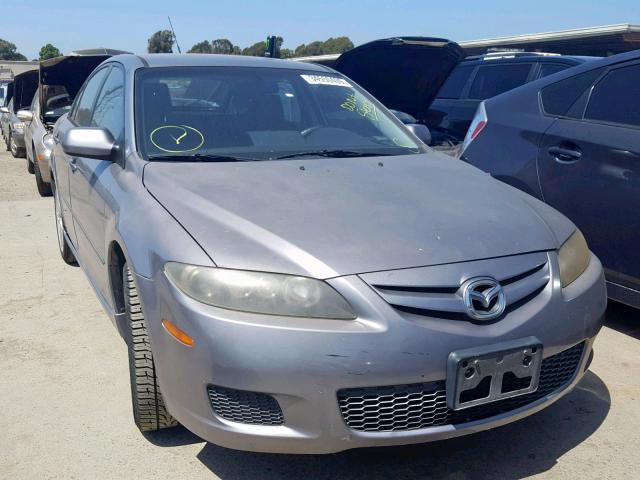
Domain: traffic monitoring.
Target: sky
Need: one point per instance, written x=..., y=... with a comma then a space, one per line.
x=127, y=24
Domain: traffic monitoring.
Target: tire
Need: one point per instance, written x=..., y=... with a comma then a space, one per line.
x=44, y=188
x=7, y=141
x=65, y=250
x=149, y=411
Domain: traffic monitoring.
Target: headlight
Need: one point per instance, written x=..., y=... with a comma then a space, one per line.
x=258, y=292
x=18, y=125
x=47, y=141
x=573, y=258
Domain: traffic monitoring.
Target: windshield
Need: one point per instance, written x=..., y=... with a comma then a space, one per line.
x=260, y=114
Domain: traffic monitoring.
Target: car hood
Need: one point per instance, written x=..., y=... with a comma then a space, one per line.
x=333, y=217
x=24, y=87
x=406, y=73
x=67, y=74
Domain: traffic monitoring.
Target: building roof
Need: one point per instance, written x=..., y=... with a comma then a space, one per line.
x=10, y=68
x=601, y=40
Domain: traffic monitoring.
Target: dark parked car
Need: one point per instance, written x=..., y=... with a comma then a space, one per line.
x=573, y=140
x=480, y=77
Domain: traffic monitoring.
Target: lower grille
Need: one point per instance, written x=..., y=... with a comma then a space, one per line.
x=421, y=405
x=245, y=407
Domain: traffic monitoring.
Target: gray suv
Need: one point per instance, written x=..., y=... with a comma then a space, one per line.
x=294, y=271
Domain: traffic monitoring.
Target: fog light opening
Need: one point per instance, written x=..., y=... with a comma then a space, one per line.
x=180, y=335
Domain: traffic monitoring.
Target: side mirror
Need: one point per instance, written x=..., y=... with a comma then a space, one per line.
x=4, y=110
x=86, y=142
x=420, y=131
x=25, y=115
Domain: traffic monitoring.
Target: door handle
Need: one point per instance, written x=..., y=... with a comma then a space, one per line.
x=73, y=164
x=564, y=154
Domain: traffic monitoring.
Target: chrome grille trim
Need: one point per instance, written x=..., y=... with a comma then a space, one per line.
x=416, y=290
x=422, y=405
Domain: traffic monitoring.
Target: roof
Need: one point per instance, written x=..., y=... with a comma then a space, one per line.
x=572, y=34
x=96, y=51
x=212, y=60
x=11, y=68
x=601, y=40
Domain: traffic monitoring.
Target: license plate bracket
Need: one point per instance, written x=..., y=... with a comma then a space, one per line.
x=477, y=376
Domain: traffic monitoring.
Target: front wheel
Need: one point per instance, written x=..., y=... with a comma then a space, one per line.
x=149, y=411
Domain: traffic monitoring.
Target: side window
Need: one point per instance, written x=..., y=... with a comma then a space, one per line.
x=559, y=97
x=551, y=68
x=84, y=108
x=452, y=88
x=492, y=80
x=109, y=110
x=616, y=98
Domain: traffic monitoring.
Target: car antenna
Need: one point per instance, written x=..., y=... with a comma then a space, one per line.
x=174, y=34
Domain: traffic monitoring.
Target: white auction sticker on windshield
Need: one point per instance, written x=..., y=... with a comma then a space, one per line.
x=326, y=80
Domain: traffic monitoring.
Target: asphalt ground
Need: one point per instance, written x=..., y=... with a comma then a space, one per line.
x=65, y=400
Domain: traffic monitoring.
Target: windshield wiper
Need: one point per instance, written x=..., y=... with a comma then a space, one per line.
x=331, y=153
x=200, y=157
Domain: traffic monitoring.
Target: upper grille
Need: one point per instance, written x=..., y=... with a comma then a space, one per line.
x=421, y=405
x=435, y=291
x=245, y=407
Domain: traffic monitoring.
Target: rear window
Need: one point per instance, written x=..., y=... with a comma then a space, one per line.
x=492, y=80
x=452, y=88
x=616, y=98
x=559, y=97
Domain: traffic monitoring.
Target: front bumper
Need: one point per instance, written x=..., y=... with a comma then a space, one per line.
x=304, y=363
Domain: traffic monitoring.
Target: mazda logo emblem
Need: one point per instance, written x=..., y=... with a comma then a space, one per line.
x=483, y=298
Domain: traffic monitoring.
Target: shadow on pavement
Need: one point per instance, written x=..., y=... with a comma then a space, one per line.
x=623, y=319
x=518, y=450
x=172, y=437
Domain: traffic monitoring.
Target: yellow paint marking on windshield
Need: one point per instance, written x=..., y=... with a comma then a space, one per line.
x=186, y=138
x=350, y=102
x=363, y=108
x=177, y=140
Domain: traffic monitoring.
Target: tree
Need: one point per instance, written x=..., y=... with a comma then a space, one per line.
x=161, y=42
x=222, y=46
x=338, y=45
x=49, y=51
x=286, y=53
x=8, y=51
x=331, y=45
x=201, y=47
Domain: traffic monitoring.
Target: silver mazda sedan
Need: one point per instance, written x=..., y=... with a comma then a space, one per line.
x=294, y=271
